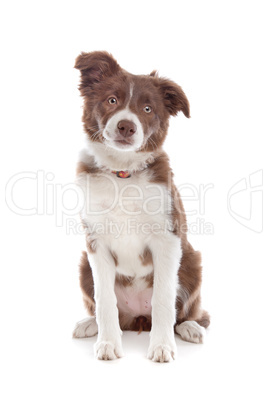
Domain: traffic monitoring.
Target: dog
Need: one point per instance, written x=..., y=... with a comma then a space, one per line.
x=139, y=271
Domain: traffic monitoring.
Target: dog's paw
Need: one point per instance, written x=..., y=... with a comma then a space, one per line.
x=161, y=353
x=86, y=328
x=106, y=350
x=190, y=331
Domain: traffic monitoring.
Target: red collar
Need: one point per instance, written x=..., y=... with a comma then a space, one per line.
x=123, y=174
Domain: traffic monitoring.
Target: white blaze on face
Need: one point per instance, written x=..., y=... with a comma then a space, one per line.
x=130, y=92
x=111, y=132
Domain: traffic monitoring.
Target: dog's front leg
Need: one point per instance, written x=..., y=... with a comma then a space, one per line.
x=109, y=344
x=166, y=259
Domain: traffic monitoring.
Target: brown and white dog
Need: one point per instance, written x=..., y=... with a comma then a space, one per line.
x=139, y=271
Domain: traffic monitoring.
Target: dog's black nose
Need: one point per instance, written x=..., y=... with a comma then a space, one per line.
x=126, y=128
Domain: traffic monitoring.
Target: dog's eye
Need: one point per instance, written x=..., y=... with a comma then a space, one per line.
x=112, y=101
x=147, y=109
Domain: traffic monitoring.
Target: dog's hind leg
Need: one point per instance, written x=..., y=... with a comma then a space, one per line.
x=87, y=327
x=190, y=331
x=191, y=319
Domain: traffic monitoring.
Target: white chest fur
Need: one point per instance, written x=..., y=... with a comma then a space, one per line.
x=123, y=214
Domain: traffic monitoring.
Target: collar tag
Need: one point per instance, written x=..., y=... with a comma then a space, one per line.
x=123, y=174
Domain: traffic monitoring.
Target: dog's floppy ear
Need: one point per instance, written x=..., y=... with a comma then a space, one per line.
x=174, y=98
x=94, y=67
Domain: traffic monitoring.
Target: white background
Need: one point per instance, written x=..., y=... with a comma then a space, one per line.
x=217, y=51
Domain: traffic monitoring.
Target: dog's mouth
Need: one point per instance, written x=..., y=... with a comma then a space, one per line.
x=117, y=141
x=123, y=142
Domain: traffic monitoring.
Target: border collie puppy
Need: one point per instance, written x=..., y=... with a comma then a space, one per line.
x=139, y=271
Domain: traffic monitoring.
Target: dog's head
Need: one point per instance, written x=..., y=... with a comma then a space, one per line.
x=124, y=111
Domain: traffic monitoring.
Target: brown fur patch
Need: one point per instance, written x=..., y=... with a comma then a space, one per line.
x=150, y=280
x=204, y=321
x=154, y=73
x=174, y=97
x=146, y=258
x=141, y=323
x=190, y=278
x=123, y=280
x=179, y=223
x=86, y=168
x=162, y=174
x=87, y=284
x=160, y=169
x=94, y=67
